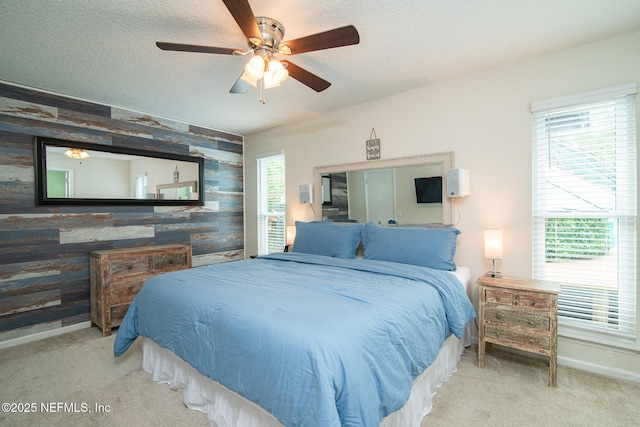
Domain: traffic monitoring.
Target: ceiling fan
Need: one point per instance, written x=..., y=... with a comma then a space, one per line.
x=264, y=36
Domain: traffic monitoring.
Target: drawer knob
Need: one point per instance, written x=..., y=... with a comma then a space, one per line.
x=497, y=334
x=497, y=298
x=130, y=288
x=499, y=315
x=130, y=267
x=170, y=261
x=531, y=341
x=531, y=322
x=533, y=303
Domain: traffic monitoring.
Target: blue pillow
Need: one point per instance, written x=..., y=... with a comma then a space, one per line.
x=326, y=238
x=427, y=247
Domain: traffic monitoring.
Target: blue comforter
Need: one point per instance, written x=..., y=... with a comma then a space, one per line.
x=316, y=341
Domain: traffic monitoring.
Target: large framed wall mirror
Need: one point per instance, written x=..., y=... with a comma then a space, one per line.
x=383, y=191
x=75, y=173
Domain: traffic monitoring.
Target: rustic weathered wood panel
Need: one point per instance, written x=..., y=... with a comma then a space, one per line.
x=44, y=250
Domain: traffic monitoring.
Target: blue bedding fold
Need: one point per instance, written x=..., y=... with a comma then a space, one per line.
x=315, y=340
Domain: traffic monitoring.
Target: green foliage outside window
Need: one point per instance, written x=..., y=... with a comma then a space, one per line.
x=275, y=187
x=576, y=238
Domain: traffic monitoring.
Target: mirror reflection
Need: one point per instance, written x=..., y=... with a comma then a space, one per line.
x=178, y=191
x=384, y=191
x=74, y=173
x=327, y=197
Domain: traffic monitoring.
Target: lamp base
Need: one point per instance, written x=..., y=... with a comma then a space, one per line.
x=495, y=274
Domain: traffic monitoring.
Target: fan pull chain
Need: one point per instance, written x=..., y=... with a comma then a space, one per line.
x=261, y=84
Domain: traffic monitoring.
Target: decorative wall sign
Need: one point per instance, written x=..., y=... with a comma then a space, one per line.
x=373, y=146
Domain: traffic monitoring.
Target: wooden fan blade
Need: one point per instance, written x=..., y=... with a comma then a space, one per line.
x=195, y=48
x=305, y=77
x=338, y=37
x=240, y=86
x=242, y=13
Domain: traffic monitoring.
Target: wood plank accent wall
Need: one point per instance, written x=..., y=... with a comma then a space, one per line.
x=44, y=250
x=339, y=209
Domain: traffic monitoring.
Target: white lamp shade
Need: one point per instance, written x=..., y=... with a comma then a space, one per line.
x=268, y=81
x=277, y=71
x=493, y=244
x=291, y=234
x=255, y=67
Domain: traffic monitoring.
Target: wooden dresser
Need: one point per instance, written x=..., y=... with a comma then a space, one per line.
x=117, y=275
x=519, y=313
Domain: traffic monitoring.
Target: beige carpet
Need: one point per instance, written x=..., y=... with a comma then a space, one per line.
x=79, y=368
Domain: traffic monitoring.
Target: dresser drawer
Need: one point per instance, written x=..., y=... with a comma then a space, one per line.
x=125, y=266
x=123, y=291
x=531, y=300
x=169, y=261
x=496, y=296
x=513, y=317
x=534, y=301
x=519, y=337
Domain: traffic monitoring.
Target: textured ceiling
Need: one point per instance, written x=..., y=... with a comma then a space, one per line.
x=105, y=51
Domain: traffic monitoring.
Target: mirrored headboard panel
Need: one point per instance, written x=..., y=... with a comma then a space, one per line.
x=76, y=173
x=382, y=190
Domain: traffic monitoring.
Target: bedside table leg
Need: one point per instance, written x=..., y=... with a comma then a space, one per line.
x=481, y=350
x=553, y=372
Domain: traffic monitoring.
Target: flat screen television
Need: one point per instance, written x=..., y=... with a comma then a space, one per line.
x=429, y=190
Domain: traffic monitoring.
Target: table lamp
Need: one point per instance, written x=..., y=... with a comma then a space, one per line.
x=493, y=249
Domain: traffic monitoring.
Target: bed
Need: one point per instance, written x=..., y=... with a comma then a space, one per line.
x=316, y=337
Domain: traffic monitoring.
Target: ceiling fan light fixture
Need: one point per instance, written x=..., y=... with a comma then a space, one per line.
x=264, y=36
x=276, y=72
x=269, y=83
x=77, y=153
x=255, y=67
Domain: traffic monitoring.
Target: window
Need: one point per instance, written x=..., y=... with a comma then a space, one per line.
x=584, y=211
x=141, y=186
x=271, y=204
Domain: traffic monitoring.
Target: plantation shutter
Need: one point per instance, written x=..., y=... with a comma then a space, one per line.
x=271, y=204
x=584, y=211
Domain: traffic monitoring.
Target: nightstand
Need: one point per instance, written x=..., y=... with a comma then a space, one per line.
x=519, y=313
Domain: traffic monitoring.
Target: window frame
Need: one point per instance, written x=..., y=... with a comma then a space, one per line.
x=270, y=239
x=625, y=211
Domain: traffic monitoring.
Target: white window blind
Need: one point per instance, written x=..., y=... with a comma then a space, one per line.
x=271, y=204
x=584, y=211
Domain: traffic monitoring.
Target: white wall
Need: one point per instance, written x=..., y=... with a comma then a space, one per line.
x=160, y=172
x=89, y=176
x=484, y=118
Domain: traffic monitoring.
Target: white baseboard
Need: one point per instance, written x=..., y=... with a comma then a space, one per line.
x=45, y=334
x=581, y=365
x=599, y=369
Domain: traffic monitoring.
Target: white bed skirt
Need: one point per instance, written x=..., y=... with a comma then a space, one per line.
x=225, y=408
